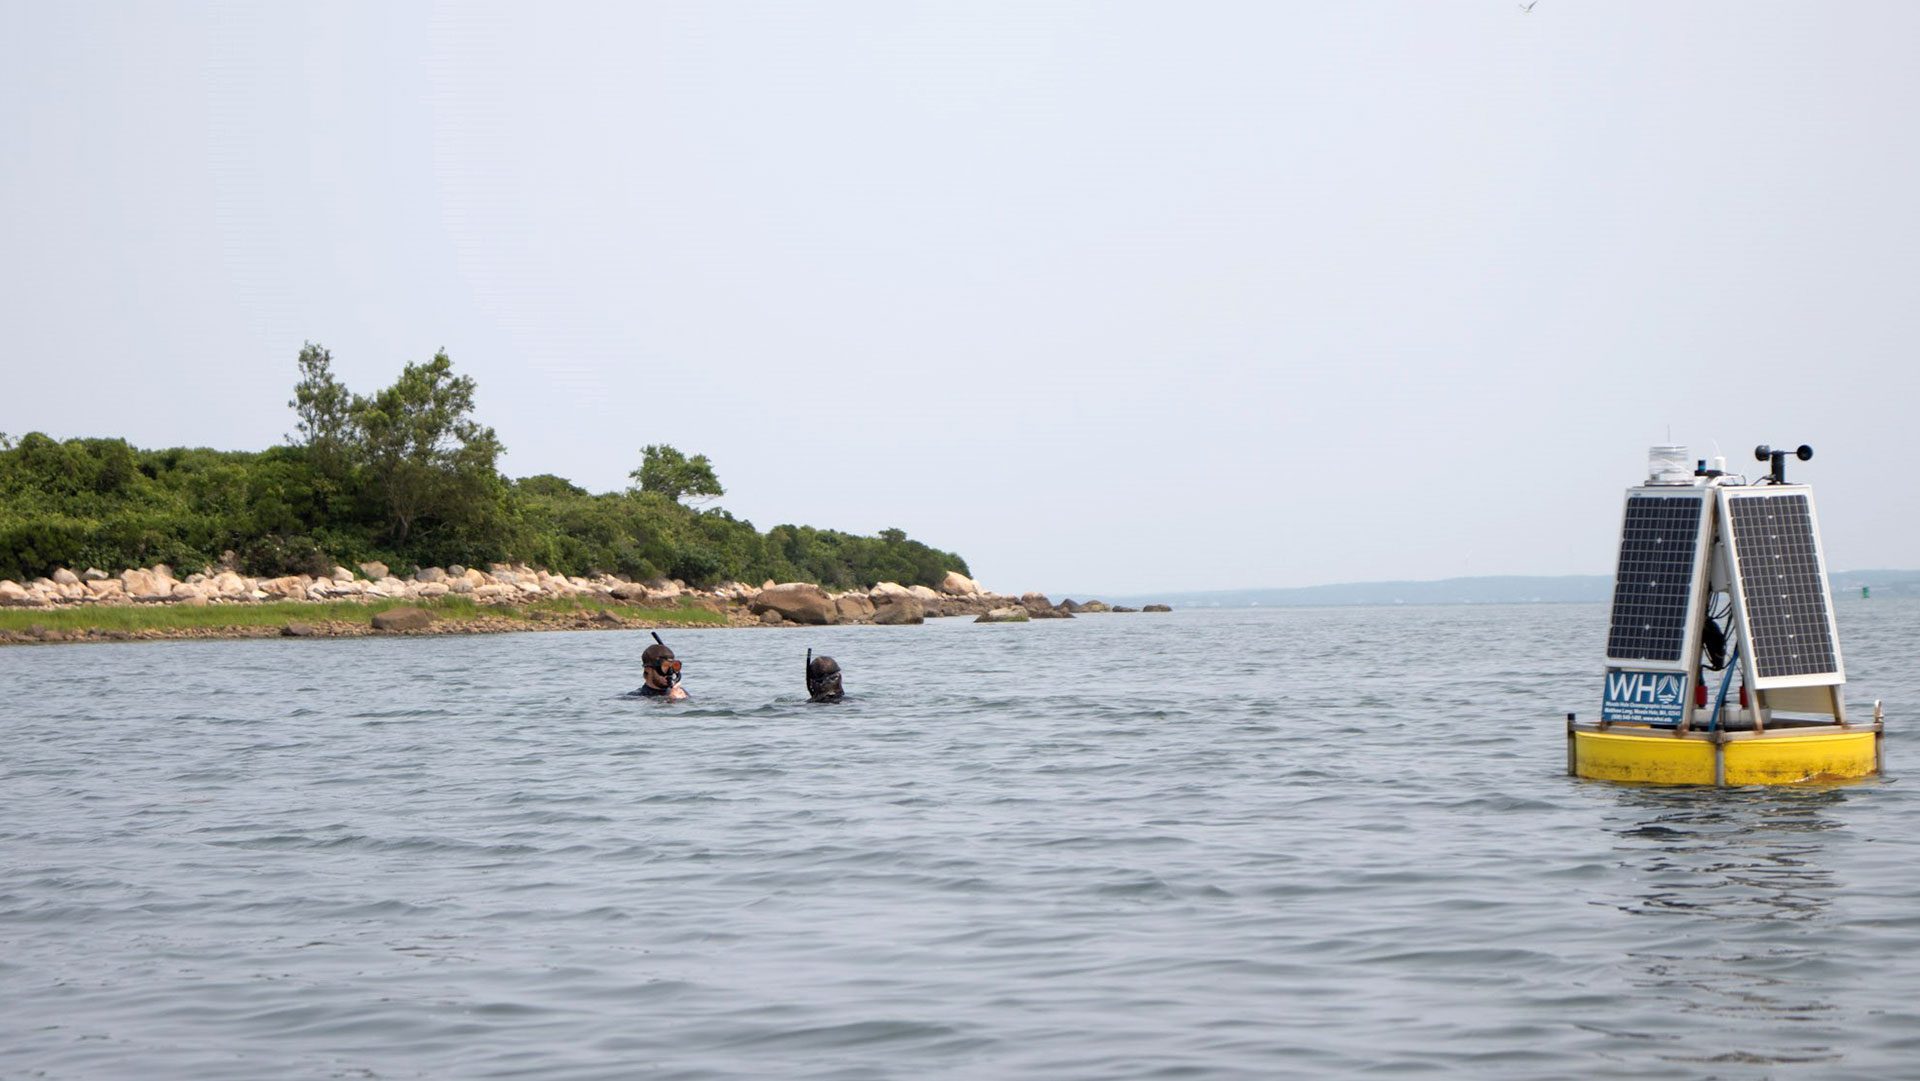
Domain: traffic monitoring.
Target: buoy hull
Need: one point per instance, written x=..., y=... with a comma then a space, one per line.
x=1637, y=755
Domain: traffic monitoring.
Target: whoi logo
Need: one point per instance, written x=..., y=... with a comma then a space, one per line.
x=1645, y=697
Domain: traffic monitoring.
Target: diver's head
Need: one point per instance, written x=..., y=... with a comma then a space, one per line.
x=662, y=670
x=823, y=678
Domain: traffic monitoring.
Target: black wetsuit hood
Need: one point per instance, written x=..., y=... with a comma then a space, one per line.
x=823, y=679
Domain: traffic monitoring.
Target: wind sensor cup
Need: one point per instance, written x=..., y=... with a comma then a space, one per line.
x=1778, y=472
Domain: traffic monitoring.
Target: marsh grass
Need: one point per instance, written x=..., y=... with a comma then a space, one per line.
x=175, y=617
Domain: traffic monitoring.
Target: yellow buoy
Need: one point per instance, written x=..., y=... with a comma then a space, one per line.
x=1720, y=578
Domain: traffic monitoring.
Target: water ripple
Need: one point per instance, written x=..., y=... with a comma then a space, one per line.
x=1343, y=845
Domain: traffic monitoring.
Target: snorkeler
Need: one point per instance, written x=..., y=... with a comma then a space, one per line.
x=661, y=672
x=823, y=679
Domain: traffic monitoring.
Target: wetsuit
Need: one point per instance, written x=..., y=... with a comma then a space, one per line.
x=647, y=690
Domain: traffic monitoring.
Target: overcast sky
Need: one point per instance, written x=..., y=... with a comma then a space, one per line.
x=1106, y=296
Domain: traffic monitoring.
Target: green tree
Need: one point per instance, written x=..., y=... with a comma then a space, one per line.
x=665, y=471
x=425, y=457
x=325, y=410
x=409, y=478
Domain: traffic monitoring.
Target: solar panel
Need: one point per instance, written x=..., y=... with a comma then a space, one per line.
x=1783, y=589
x=1657, y=577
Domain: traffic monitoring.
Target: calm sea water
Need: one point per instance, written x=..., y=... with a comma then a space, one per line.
x=1286, y=843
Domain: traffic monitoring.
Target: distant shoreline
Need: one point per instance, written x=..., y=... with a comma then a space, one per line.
x=150, y=604
x=1489, y=589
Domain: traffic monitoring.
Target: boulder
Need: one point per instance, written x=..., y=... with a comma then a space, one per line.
x=140, y=583
x=402, y=619
x=771, y=618
x=888, y=589
x=229, y=584
x=891, y=610
x=431, y=589
x=342, y=574
x=923, y=594
x=65, y=577
x=798, y=602
x=429, y=574
x=494, y=591
x=854, y=608
x=977, y=604
x=105, y=587
x=189, y=600
x=94, y=574
x=1003, y=615
x=293, y=586
x=630, y=591
x=459, y=585
x=1157, y=608
x=298, y=630
x=1124, y=608
x=1095, y=606
x=959, y=585
x=15, y=595
x=374, y=569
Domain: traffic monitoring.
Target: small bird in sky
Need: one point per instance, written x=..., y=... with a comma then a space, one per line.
x=1527, y=8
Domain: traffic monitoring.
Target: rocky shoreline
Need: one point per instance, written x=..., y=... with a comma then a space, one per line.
x=504, y=597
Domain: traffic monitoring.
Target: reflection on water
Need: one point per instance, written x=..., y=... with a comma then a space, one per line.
x=1732, y=854
x=1715, y=872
